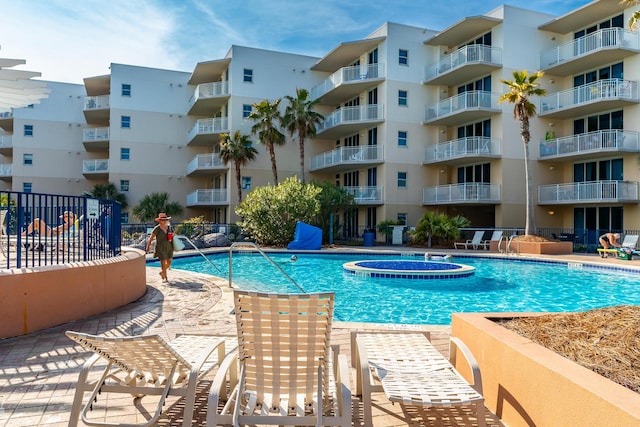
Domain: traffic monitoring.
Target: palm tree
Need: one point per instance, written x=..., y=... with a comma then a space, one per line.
x=299, y=117
x=635, y=17
x=521, y=88
x=266, y=115
x=239, y=150
x=108, y=191
x=152, y=204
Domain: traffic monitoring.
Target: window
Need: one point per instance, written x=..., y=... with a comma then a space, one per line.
x=403, y=57
x=124, y=185
x=125, y=122
x=28, y=130
x=27, y=187
x=126, y=89
x=247, y=75
x=246, y=183
x=402, y=138
x=402, y=180
x=402, y=98
x=27, y=159
x=246, y=110
x=125, y=154
x=124, y=217
x=402, y=218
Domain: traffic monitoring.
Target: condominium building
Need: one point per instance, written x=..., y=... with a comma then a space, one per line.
x=411, y=123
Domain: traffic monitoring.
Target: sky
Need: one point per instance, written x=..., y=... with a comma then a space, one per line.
x=68, y=40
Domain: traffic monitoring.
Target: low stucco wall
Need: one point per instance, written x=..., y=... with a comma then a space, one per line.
x=38, y=298
x=526, y=384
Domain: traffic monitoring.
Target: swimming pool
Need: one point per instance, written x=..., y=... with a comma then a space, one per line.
x=499, y=284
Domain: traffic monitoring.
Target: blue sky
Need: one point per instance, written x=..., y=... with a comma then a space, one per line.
x=67, y=40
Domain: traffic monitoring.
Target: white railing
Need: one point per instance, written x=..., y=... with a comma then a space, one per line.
x=95, y=134
x=591, y=191
x=355, y=73
x=360, y=113
x=605, y=89
x=209, y=126
x=96, y=102
x=606, y=38
x=5, y=169
x=469, y=192
x=6, y=115
x=472, y=54
x=472, y=100
x=208, y=161
x=208, y=197
x=6, y=141
x=209, y=90
x=347, y=155
x=611, y=139
x=463, y=147
x=366, y=195
x=95, y=166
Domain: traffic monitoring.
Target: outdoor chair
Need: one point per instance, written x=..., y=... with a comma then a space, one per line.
x=285, y=372
x=496, y=236
x=474, y=243
x=143, y=365
x=630, y=241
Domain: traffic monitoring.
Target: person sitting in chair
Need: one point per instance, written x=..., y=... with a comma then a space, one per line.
x=39, y=226
x=608, y=240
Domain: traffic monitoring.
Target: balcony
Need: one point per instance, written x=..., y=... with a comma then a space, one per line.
x=588, y=192
x=591, y=98
x=366, y=195
x=347, y=158
x=208, y=131
x=6, y=173
x=95, y=169
x=591, y=51
x=6, y=145
x=347, y=83
x=472, y=193
x=457, y=151
x=589, y=145
x=96, y=139
x=96, y=110
x=349, y=120
x=465, y=107
x=208, y=98
x=464, y=64
x=6, y=121
x=206, y=164
x=208, y=197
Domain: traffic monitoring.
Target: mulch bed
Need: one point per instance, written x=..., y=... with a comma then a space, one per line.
x=606, y=340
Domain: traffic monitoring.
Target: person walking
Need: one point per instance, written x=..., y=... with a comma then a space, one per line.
x=163, y=236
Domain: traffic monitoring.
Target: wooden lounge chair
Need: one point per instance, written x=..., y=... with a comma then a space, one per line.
x=413, y=372
x=474, y=243
x=144, y=365
x=287, y=374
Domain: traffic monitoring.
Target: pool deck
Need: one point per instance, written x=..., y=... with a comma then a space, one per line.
x=38, y=372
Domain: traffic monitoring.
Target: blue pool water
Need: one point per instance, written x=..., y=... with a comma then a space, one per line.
x=497, y=285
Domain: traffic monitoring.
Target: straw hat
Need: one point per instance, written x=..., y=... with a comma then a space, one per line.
x=68, y=214
x=162, y=217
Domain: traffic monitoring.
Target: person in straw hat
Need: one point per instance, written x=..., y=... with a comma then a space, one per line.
x=163, y=236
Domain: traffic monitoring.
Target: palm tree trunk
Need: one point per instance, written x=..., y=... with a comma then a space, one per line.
x=529, y=227
x=301, y=142
x=238, y=182
x=274, y=168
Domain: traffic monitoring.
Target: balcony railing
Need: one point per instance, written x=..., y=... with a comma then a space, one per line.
x=344, y=75
x=209, y=126
x=95, y=166
x=206, y=162
x=608, y=140
x=469, y=192
x=591, y=191
x=208, y=197
x=6, y=115
x=471, y=146
x=6, y=141
x=346, y=115
x=5, y=169
x=96, y=102
x=362, y=154
x=366, y=195
x=601, y=90
x=472, y=100
x=95, y=134
x=471, y=54
x=606, y=38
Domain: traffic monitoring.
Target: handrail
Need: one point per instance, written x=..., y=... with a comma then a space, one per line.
x=265, y=256
x=182, y=236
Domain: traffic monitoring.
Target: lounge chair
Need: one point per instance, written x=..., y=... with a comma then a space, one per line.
x=630, y=241
x=287, y=374
x=144, y=365
x=496, y=236
x=473, y=243
x=411, y=371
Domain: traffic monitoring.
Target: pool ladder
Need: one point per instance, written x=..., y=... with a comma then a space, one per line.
x=183, y=237
x=507, y=249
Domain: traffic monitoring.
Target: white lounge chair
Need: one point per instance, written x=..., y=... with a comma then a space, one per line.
x=473, y=243
x=287, y=373
x=496, y=236
x=413, y=372
x=144, y=365
x=630, y=241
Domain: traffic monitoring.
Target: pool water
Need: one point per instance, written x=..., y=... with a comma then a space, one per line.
x=499, y=284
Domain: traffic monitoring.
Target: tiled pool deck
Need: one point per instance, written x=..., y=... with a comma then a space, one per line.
x=38, y=372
